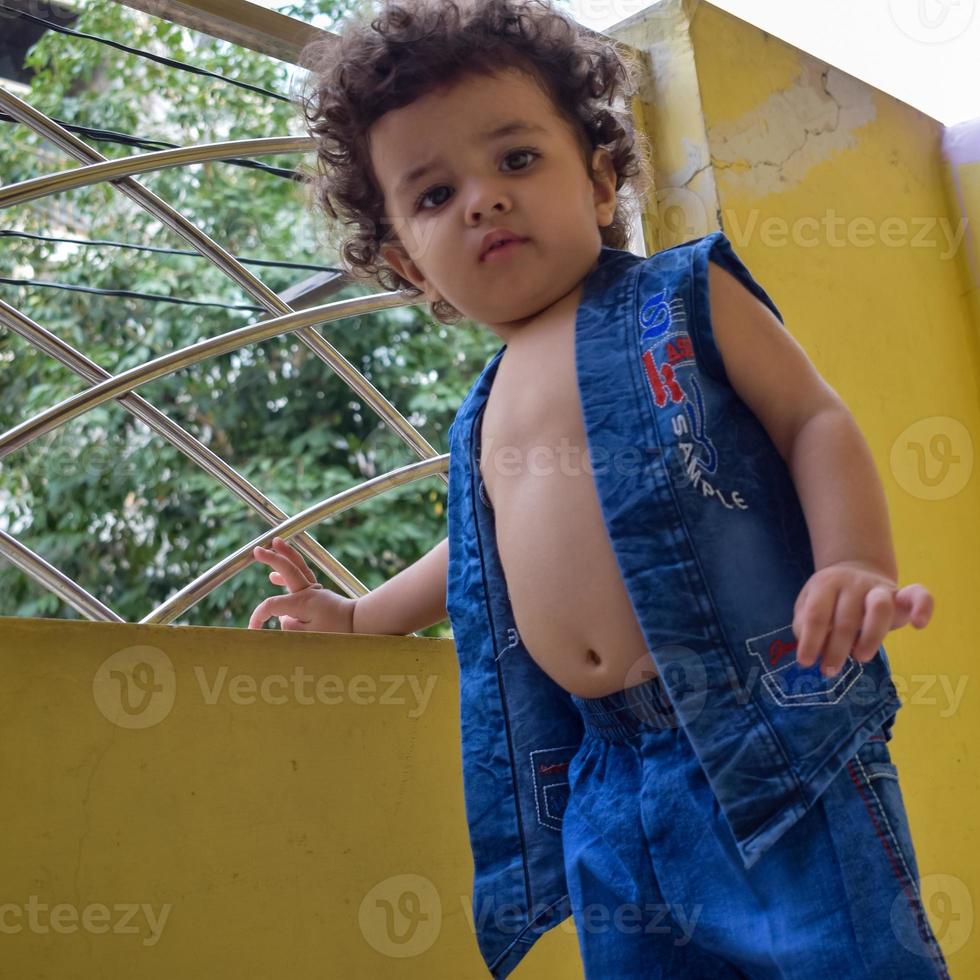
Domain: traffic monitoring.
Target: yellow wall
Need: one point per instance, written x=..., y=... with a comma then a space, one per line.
x=228, y=828
x=275, y=836
x=882, y=305
x=961, y=154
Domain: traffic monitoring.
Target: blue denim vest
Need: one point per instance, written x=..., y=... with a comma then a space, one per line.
x=713, y=547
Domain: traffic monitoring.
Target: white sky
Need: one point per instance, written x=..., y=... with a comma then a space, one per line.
x=924, y=52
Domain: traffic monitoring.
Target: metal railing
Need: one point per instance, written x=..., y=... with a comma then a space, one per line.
x=106, y=387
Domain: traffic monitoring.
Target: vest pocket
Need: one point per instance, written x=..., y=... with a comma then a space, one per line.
x=549, y=772
x=788, y=683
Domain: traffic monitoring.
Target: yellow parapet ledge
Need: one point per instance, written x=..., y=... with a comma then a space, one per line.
x=210, y=802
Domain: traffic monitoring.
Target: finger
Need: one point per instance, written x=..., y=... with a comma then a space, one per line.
x=294, y=557
x=848, y=615
x=295, y=624
x=275, y=605
x=878, y=605
x=813, y=623
x=800, y=602
x=924, y=609
x=292, y=579
x=259, y=615
x=913, y=604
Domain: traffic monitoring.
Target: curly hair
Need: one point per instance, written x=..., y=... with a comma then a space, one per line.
x=415, y=46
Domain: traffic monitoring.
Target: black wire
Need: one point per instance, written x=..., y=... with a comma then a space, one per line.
x=166, y=251
x=126, y=292
x=144, y=54
x=108, y=136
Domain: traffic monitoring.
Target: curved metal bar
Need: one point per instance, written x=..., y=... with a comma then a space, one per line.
x=47, y=575
x=228, y=264
x=231, y=267
x=141, y=163
x=114, y=386
x=191, y=447
x=242, y=558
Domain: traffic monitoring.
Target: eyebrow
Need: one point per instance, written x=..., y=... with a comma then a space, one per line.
x=507, y=129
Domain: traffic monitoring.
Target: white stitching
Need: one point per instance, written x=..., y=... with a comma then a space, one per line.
x=547, y=799
x=883, y=775
x=920, y=912
x=891, y=833
x=851, y=671
x=514, y=638
x=534, y=780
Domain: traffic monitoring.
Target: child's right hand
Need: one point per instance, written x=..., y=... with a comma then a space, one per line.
x=309, y=606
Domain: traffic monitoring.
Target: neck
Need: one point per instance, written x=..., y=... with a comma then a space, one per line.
x=559, y=311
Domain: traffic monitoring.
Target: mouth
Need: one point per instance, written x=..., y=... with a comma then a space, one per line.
x=501, y=249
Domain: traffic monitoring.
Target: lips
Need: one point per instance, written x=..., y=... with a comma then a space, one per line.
x=501, y=253
x=493, y=241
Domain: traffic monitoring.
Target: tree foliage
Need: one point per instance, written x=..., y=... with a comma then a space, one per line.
x=104, y=498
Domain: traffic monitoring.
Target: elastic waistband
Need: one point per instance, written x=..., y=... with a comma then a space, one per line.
x=622, y=714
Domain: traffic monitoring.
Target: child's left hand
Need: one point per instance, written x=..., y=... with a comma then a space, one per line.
x=851, y=604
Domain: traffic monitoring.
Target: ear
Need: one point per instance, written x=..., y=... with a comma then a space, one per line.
x=394, y=255
x=604, y=185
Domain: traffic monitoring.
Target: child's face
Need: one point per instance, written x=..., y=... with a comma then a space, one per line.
x=533, y=183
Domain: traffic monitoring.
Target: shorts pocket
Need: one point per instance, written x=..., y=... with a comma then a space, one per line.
x=876, y=759
x=876, y=776
x=549, y=772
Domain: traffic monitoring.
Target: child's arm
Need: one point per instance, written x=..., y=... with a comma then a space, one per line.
x=412, y=600
x=854, y=590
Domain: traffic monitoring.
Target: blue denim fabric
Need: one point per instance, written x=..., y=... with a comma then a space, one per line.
x=659, y=889
x=713, y=548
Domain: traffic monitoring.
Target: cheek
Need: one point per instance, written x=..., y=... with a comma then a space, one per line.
x=428, y=240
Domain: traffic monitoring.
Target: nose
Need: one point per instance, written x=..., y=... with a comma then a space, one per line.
x=486, y=198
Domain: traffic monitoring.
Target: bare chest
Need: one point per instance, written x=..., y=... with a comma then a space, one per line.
x=569, y=601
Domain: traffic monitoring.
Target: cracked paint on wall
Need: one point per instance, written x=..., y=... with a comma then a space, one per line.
x=772, y=147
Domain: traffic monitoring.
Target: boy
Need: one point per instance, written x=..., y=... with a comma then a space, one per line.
x=675, y=707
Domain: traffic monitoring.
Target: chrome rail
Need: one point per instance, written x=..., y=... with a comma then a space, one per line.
x=95, y=168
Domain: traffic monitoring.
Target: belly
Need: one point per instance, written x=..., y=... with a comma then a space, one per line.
x=570, y=604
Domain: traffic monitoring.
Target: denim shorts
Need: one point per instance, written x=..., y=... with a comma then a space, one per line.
x=658, y=888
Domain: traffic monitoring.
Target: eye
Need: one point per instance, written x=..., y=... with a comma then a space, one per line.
x=514, y=153
x=438, y=187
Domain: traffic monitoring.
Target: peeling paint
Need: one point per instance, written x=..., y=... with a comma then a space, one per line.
x=771, y=148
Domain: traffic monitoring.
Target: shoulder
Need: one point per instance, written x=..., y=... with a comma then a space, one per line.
x=765, y=365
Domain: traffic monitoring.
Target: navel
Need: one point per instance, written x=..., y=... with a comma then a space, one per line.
x=594, y=657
